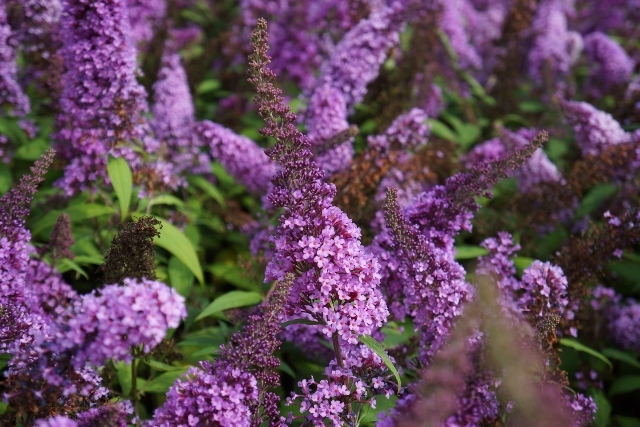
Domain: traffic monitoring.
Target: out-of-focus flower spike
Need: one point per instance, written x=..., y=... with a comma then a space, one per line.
x=13, y=100
x=102, y=104
x=594, y=130
x=611, y=68
x=241, y=157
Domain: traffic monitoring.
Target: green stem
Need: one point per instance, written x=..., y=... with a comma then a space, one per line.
x=134, y=392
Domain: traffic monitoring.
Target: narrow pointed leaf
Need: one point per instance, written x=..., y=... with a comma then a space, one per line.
x=374, y=345
x=122, y=181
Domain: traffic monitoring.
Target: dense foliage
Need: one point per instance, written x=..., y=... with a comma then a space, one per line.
x=319, y=213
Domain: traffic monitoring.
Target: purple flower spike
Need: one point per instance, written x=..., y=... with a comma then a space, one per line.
x=108, y=325
x=12, y=98
x=357, y=58
x=336, y=281
x=57, y=421
x=327, y=117
x=102, y=104
x=452, y=24
x=625, y=324
x=595, y=130
x=205, y=396
x=240, y=156
x=545, y=291
x=174, y=118
x=555, y=48
x=145, y=16
x=611, y=66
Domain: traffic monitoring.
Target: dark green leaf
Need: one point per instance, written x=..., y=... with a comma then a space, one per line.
x=626, y=421
x=622, y=356
x=32, y=150
x=233, y=299
x=594, y=198
x=159, y=366
x=568, y=342
x=77, y=213
x=66, y=264
x=180, y=276
x=604, y=408
x=441, y=130
x=162, y=382
x=5, y=178
x=211, y=190
x=625, y=384
x=377, y=348
x=234, y=275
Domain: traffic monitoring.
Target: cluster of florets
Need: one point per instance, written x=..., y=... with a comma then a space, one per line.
x=102, y=104
x=542, y=291
x=611, y=66
x=327, y=118
x=622, y=316
x=433, y=286
x=115, y=414
x=211, y=394
x=357, y=58
x=555, y=49
x=109, y=325
x=594, y=130
x=241, y=157
x=12, y=98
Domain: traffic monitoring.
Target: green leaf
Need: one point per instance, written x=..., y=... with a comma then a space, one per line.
x=604, y=408
x=77, y=213
x=441, y=130
x=89, y=259
x=233, y=299
x=208, y=86
x=299, y=322
x=532, y=107
x=521, y=263
x=4, y=360
x=122, y=181
x=469, y=252
x=180, y=276
x=32, y=150
x=583, y=348
x=206, y=351
x=286, y=369
x=377, y=348
x=626, y=421
x=162, y=382
x=622, y=356
x=167, y=199
x=625, y=384
x=66, y=264
x=594, y=198
x=174, y=241
x=370, y=415
x=5, y=178
x=159, y=366
x=211, y=190
x=234, y=275
x=3, y=407
x=124, y=377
